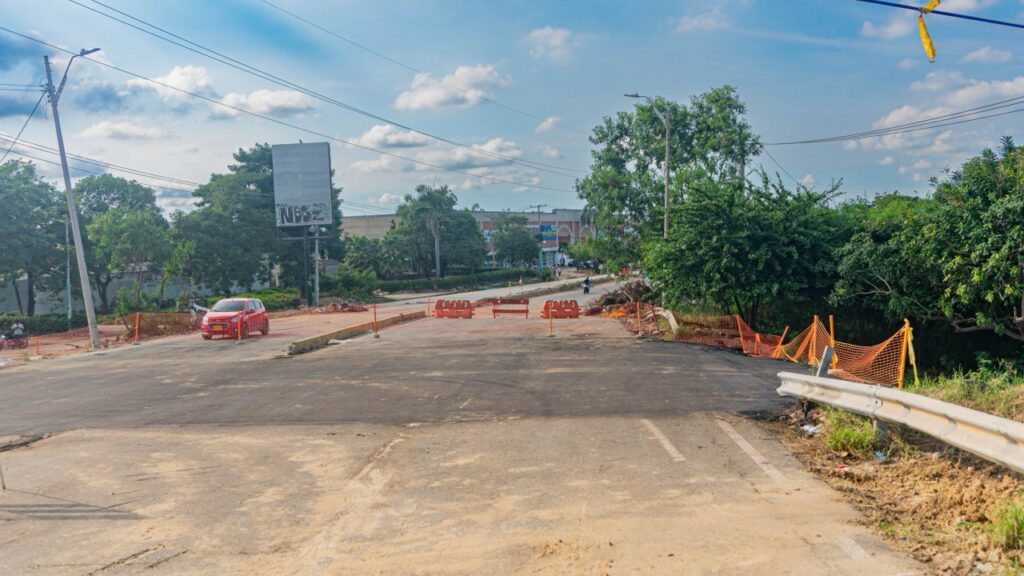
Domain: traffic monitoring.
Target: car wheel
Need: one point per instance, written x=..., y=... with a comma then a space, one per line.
x=266, y=328
x=207, y=336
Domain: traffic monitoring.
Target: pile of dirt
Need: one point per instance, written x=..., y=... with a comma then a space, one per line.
x=932, y=501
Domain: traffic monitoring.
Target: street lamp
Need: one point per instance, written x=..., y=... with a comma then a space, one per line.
x=83, y=272
x=663, y=116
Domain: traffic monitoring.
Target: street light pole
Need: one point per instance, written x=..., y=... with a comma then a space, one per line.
x=83, y=272
x=663, y=116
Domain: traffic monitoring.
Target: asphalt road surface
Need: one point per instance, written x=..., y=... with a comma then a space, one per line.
x=443, y=447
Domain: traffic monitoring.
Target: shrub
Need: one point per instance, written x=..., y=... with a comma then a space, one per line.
x=347, y=282
x=272, y=298
x=1008, y=528
x=848, y=432
x=42, y=323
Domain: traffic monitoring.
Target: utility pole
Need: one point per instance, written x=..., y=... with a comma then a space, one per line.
x=83, y=272
x=316, y=270
x=540, y=229
x=663, y=116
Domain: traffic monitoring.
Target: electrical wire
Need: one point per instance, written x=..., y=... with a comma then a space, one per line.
x=27, y=120
x=5, y=89
x=783, y=168
x=945, y=13
x=412, y=69
x=962, y=117
x=23, y=154
x=254, y=71
x=282, y=122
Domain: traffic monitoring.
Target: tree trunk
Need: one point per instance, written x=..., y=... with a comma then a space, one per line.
x=17, y=296
x=30, y=304
x=101, y=288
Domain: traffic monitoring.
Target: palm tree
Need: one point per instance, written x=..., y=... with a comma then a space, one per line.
x=431, y=204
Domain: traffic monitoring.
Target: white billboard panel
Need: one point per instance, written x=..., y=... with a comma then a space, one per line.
x=302, y=184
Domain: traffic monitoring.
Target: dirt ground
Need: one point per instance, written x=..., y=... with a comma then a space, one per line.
x=934, y=503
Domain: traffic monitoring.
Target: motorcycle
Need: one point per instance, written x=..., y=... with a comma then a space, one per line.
x=13, y=342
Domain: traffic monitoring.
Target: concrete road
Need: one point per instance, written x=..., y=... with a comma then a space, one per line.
x=444, y=447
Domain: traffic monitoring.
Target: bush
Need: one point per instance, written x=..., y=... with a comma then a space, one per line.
x=272, y=298
x=847, y=432
x=347, y=282
x=1008, y=528
x=42, y=323
x=484, y=278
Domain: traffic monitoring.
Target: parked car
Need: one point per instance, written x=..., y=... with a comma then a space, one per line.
x=230, y=315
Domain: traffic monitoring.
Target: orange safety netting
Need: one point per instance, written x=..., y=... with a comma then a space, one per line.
x=148, y=324
x=882, y=363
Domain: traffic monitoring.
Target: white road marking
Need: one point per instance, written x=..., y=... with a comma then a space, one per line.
x=466, y=403
x=852, y=549
x=664, y=441
x=756, y=456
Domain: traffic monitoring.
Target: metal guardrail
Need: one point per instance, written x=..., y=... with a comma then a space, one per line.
x=993, y=438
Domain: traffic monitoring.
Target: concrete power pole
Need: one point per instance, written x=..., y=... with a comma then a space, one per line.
x=83, y=272
x=540, y=259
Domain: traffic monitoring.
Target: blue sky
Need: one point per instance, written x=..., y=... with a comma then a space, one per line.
x=805, y=68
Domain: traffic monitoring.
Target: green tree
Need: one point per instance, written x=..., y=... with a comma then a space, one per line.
x=32, y=221
x=512, y=240
x=133, y=240
x=426, y=211
x=379, y=255
x=97, y=195
x=624, y=190
x=760, y=250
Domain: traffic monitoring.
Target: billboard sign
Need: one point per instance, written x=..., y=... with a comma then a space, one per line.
x=548, y=232
x=302, y=184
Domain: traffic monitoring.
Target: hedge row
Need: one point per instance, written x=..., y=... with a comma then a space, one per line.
x=42, y=323
x=272, y=298
x=462, y=281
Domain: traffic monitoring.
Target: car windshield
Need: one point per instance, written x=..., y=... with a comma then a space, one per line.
x=228, y=306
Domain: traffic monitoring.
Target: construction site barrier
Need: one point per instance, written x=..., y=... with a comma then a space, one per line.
x=453, y=309
x=560, y=309
x=504, y=306
x=153, y=324
x=883, y=363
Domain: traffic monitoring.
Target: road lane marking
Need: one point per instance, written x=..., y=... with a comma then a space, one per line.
x=464, y=404
x=756, y=456
x=852, y=549
x=664, y=441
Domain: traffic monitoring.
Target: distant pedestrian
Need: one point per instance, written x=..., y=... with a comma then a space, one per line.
x=586, y=285
x=17, y=329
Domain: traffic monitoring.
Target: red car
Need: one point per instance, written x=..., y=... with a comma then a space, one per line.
x=227, y=315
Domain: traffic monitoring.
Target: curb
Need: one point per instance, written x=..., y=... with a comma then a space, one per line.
x=317, y=342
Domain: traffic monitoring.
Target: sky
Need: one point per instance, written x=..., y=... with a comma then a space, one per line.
x=496, y=99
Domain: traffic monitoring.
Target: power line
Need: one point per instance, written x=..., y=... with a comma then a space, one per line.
x=23, y=154
x=254, y=71
x=961, y=117
x=781, y=167
x=5, y=89
x=410, y=68
x=13, y=85
x=27, y=120
x=282, y=122
x=944, y=13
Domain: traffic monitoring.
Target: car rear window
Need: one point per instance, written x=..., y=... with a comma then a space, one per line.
x=228, y=306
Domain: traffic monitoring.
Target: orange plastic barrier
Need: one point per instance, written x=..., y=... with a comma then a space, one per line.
x=150, y=324
x=501, y=306
x=453, y=309
x=560, y=309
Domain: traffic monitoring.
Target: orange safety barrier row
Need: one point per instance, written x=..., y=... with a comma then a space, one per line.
x=560, y=309
x=150, y=324
x=501, y=306
x=453, y=309
x=884, y=363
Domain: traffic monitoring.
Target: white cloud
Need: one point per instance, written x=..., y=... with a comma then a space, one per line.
x=547, y=124
x=388, y=136
x=983, y=92
x=466, y=86
x=988, y=54
x=382, y=164
x=550, y=43
x=808, y=180
x=944, y=80
x=907, y=63
x=464, y=158
x=188, y=78
x=267, y=102
x=550, y=152
x=385, y=199
x=122, y=131
x=888, y=160
x=922, y=164
x=711, y=20
x=897, y=26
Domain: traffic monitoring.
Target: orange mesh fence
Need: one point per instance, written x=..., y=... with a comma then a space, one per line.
x=883, y=363
x=150, y=324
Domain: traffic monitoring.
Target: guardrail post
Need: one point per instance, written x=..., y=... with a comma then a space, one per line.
x=881, y=430
x=826, y=361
